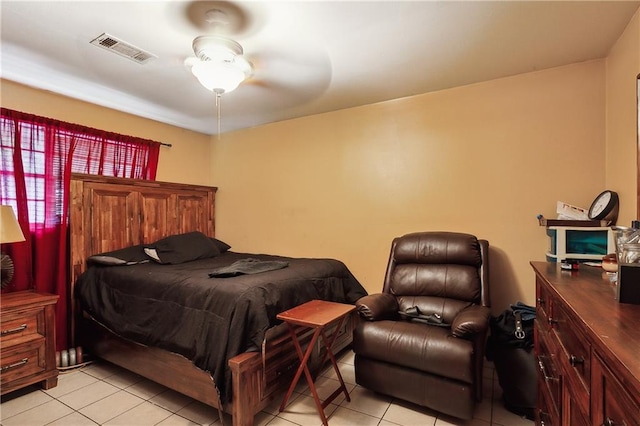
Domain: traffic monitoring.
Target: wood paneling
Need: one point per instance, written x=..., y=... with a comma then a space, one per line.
x=111, y=213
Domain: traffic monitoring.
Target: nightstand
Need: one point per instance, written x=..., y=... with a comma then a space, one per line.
x=27, y=340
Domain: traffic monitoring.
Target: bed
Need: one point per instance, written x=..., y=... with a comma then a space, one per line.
x=242, y=358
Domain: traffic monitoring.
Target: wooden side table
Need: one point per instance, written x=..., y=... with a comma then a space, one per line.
x=316, y=314
x=27, y=355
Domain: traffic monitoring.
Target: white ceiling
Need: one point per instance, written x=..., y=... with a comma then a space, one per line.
x=309, y=56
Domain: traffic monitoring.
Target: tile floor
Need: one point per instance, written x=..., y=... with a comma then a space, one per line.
x=103, y=394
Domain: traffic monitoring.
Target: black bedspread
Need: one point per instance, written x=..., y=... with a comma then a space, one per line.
x=208, y=320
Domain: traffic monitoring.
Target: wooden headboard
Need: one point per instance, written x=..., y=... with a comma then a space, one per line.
x=111, y=213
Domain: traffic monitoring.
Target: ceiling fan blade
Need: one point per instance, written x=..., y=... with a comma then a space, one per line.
x=280, y=81
x=258, y=82
x=289, y=69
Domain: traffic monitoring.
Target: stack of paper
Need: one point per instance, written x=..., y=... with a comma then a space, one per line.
x=568, y=212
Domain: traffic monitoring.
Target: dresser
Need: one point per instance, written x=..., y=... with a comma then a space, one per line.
x=27, y=340
x=587, y=349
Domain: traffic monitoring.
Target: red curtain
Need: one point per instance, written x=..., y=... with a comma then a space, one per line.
x=37, y=157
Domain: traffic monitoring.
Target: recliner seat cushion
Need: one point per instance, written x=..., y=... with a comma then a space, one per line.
x=413, y=345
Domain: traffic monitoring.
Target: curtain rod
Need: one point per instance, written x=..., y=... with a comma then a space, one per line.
x=165, y=144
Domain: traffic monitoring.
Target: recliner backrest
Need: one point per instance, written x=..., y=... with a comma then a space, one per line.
x=439, y=272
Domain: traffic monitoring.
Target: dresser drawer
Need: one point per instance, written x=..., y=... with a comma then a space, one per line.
x=572, y=413
x=21, y=361
x=21, y=326
x=574, y=348
x=612, y=404
x=549, y=378
x=617, y=407
x=546, y=415
x=543, y=305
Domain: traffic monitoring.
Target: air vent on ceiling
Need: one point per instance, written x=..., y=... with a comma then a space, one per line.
x=122, y=48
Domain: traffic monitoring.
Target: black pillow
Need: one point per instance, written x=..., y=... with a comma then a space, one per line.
x=222, y=246
x=182, y=248
x=125, y=256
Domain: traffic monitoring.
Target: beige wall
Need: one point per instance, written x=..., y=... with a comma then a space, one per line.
x=187, y=161
x=484, y=159
x=623, y=67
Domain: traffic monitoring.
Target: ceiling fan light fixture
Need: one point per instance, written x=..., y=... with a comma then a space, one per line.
x=219, y=77
x=221, y=67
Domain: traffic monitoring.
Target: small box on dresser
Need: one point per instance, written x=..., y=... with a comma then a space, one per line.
x=27, y=340
x=629, y=283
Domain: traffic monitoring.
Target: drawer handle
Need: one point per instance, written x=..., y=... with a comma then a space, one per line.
x=608, y=422
x=540, y=301
x=23, y=361
x=542, y=415
x=552, y=321
x=574, y=360
x=14, y=330
x=543, y=370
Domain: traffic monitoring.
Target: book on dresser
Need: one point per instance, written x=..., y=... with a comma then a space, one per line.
x=587, y=348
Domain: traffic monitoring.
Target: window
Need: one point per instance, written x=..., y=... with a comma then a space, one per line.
x=91, y=151
x=32, y=150
x=37, y=157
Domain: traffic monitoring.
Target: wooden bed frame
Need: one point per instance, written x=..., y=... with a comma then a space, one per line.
x=111, y=213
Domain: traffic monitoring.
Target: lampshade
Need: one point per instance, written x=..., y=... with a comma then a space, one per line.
x=10, y=231
x=220, y=76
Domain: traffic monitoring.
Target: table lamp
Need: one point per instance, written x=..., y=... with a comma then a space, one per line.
x=10, y=232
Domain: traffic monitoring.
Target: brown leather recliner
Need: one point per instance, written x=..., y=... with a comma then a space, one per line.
x=423, y=338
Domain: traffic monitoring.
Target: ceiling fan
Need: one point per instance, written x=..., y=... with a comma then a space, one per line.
x=219, y=64
x=281, y=65
x=275, y=71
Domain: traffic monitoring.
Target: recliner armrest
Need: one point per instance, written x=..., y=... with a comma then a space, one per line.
x=378, y=306
x=471, y=321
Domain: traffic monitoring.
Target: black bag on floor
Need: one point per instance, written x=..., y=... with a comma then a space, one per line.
x=510, y=348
